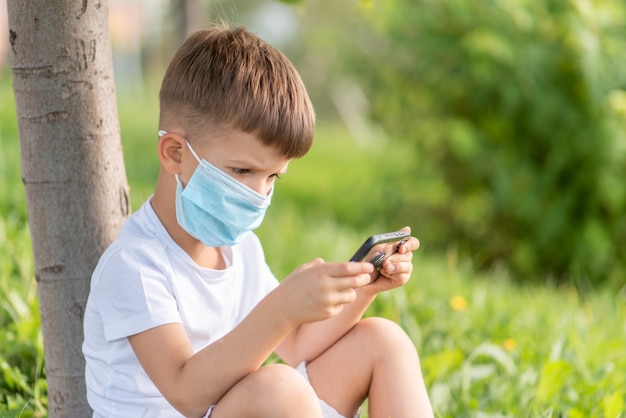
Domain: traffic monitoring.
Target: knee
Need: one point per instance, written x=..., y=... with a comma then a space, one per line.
x=281, y=391
x=385, y=335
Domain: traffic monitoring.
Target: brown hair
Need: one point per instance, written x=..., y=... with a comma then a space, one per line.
x=227, y=78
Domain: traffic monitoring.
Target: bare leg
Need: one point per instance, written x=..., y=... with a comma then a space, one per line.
x=376, y=359
x=273, y=391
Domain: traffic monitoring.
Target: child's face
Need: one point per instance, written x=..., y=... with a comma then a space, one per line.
x=241, y=156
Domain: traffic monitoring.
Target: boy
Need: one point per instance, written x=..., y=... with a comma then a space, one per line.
x=183, y=310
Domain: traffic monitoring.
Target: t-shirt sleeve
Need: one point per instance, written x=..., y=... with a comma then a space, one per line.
x=133, y=294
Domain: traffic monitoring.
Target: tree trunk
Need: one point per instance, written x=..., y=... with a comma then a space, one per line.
x=72, y=168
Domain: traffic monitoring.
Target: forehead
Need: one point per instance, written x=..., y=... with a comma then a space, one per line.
x=238, y=146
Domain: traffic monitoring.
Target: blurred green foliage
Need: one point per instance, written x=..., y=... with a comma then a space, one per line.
x=515, y=111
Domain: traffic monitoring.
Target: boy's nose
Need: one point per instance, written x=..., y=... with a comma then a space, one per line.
x=266, y=190
x=261, y=188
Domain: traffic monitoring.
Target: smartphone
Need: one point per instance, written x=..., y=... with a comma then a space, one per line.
x=377, y=248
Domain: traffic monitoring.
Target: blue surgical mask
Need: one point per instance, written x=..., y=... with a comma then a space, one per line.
x=215, y=208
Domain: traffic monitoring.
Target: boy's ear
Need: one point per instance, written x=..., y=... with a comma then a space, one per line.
x=170, y=148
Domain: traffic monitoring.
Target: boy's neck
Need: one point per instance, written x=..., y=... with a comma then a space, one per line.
x=207, y=257
x=163, y=203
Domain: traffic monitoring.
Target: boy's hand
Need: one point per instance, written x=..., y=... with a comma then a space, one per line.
x=318, y=290
x=396, y=269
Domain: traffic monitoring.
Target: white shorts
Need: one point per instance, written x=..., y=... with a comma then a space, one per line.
x=209, y=412
x=327, y=410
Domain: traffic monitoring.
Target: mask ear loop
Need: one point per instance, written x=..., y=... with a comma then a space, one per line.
x=193, y=152
x=162, y=132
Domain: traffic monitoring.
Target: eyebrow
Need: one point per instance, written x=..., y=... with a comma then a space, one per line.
x=253, y=166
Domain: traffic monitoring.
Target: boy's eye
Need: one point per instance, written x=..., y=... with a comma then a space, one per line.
x=246, y=171
x=240, y=171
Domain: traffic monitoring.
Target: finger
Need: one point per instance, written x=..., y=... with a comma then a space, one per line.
x=396, y=269
x=398, y=265
x=346, y=296
x=410, y=245
x=399, y=258
x=344, y=283
x=348, y=269
x=315, y=262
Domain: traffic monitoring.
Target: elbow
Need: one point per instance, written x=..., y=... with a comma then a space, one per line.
x=192, y=412
x=287, y=354
x=287, y=359
x=292, y=355
x=289, y=349
x=187, y=406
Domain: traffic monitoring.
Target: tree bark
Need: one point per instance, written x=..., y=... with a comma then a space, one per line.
x=72, y=168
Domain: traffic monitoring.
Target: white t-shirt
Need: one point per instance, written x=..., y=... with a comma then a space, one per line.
x=143, y=280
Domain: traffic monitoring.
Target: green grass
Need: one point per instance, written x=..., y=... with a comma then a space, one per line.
x=489, y=347
x=22, y=385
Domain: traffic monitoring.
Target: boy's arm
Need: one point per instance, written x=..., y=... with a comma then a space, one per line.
x=310, y=340
x=192, y=382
